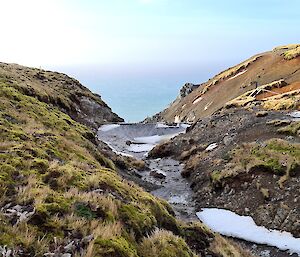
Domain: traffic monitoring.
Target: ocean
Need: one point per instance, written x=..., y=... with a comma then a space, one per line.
x=134, y=100
x=136, y=96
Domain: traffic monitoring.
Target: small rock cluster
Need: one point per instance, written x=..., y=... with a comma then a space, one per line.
x=17, y=213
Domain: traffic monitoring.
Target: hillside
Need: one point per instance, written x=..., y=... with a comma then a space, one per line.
x=245, y=157
x=282, y=64
x=60, y=90
x=61, y=193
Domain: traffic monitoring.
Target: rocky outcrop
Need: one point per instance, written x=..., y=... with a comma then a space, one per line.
x=187, y=89
x=62, y=91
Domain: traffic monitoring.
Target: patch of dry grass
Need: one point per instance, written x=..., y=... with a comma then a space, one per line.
x=228, y=248
x=164, y=243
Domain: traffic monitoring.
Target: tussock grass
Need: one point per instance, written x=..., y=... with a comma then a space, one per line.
x=49, y=164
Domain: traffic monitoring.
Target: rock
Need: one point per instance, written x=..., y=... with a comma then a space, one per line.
x=187, y=89
x=128, y=142
x=66, y=255
x=185, y=173
x=261, y=114
x=227, y=140
x=157, y=174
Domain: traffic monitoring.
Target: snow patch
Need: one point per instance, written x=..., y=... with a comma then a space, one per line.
x=231, y=224
x=177, y=119
x=295, y=115
x=239, y=74
x=117, y=152
x=148, y=140
x=108, y=127
x=162, y=125
x=184, y=125
x=155, y=139
x=211, y=147
x=140, y=148
x=197, y=100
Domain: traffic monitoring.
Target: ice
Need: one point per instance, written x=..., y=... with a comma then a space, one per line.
x=231, y=224
x=139, y=148
x=148, y=140
x=155, y=139
x=105, y=128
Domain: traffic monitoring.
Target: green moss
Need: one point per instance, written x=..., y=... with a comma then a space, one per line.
x=40, y=164
x=54, y=204
x=115, y=247
x=139, y=219
x=294, y=169
x=275, y=166
x=83, y=210
x=7, y=169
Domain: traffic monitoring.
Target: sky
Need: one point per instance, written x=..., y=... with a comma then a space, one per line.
x=124, y=41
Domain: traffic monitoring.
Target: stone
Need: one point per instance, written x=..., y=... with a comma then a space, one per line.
x=227, y=140
x=157, y=174
x=261, y=114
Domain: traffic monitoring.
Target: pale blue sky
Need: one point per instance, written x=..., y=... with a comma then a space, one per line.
x=148, y=34
x=125, y=41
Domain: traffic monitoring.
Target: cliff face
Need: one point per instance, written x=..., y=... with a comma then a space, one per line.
x=60, y=90
x=60, y=192
x=283, y=63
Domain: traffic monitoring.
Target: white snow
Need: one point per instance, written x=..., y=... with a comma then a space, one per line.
x=139, y=148
x=108, y=127
x=295, y=115
x=197, y=100
x=239, y=74
x=177, y=119
x=211, y=147
x=184, y=125
x=158, y=171
x=148, y=140
x=162, y=125
x=154, y=139
x=231, y=224
x=118, y=152
x=146, y=144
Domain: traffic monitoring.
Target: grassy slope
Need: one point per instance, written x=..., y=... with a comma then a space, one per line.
x=67, y=191
x=62, y=91
x=281, y=63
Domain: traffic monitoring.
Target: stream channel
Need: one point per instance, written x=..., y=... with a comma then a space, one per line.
x=136, y=140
